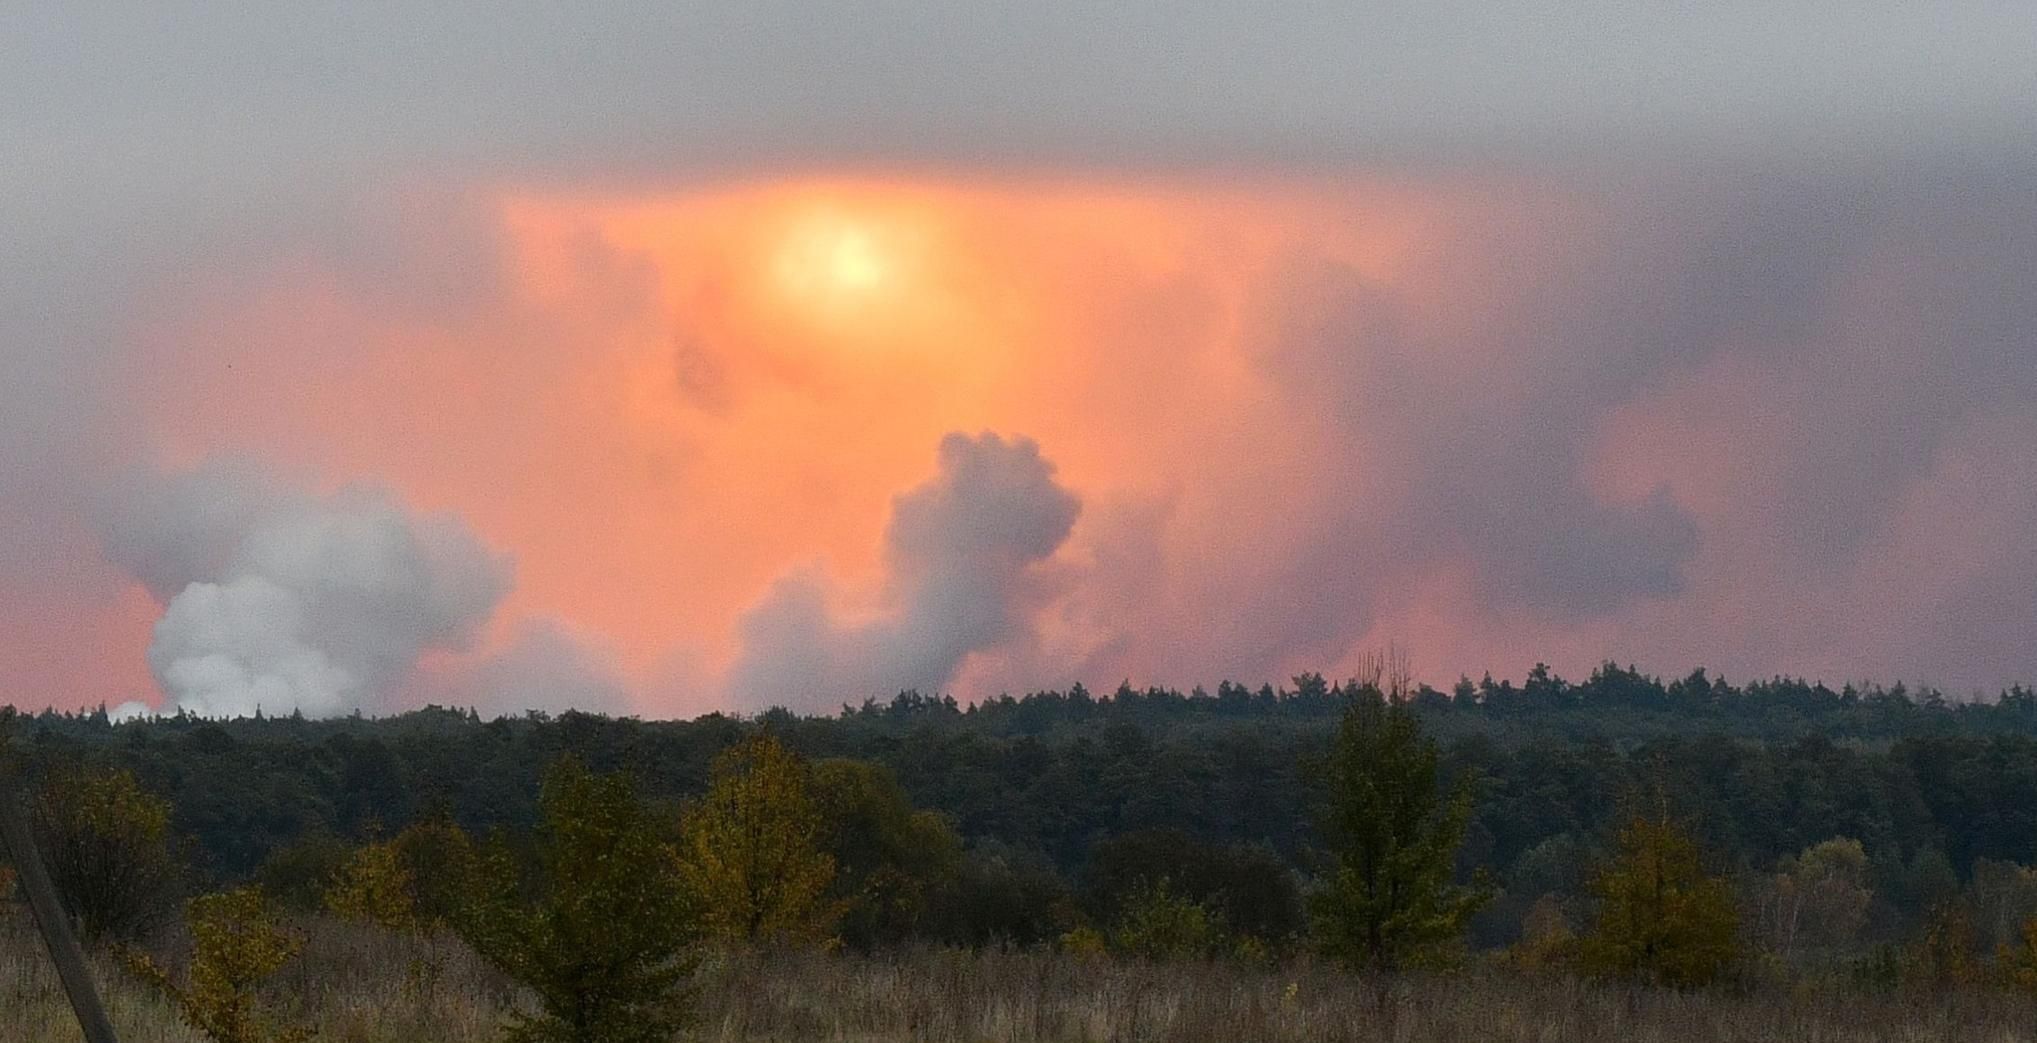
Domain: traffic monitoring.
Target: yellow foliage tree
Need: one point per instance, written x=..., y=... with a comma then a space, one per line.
x=237, y=943
x=1661, y=918
x=374, y=885
x=1546, y=938
x=1945, y=953
x=2019, y=963
x=750, y=850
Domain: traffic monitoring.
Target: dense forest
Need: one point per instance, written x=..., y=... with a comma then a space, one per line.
x=1061, y=802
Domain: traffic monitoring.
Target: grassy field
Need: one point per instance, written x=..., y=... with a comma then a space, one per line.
x=358, y=985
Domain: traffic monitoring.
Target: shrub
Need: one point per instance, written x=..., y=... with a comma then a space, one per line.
x=1546, y=938
x=2019, y=962
x=441, y=863
x=1944, y=953
x=298, y=876
x=1160, y=925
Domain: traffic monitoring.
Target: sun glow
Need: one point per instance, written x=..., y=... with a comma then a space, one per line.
x=833, y=256
x=836, y=267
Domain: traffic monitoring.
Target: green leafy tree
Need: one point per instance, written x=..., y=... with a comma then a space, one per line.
x=299, y=875
x=1661, y=918
x=596, y=925
x=441, y=862
x=891, y=861
x=236, y=944
x=106, y=842
x=750, y=850
x=1816, y=901
x=1390, y=901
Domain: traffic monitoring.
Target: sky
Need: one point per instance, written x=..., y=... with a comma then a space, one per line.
x=668, y=358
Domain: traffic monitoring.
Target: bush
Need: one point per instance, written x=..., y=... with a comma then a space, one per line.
x=441, y=863
x=1160, y=925
x=1249, y=887
x=1003, y=896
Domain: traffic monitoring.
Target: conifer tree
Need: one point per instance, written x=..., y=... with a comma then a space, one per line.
x=598, y=927
x=1390, y=901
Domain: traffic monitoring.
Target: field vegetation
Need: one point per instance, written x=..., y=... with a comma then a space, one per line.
x=760, y=880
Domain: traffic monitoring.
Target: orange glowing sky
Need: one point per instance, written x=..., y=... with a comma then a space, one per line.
x=1492, y=420
x=673, y=398
x=608, y=355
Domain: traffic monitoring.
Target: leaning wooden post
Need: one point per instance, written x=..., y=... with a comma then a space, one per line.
x=49, y=913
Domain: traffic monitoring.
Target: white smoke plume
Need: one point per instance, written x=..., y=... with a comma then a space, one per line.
x=964, y=560
x=284, y=601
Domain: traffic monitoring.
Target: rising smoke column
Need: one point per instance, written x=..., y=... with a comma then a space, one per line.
x=964, y=575
x=282, y=600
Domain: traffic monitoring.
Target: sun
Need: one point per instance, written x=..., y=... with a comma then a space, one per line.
x=832, y=261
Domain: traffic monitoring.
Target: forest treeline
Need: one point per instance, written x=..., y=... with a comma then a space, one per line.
x=1930, y=787
x=1674, y=831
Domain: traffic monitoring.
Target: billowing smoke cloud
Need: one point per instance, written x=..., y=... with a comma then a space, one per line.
x=283, y=601
x=965, y=570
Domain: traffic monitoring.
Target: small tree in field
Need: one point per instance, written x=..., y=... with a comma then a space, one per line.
x=237, y=943
x=1661, y=918
x=598, y=928
x=751, y=851
x=1390, y=902
x=106, y=841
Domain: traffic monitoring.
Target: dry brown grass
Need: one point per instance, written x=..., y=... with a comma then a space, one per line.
x=358, y=985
